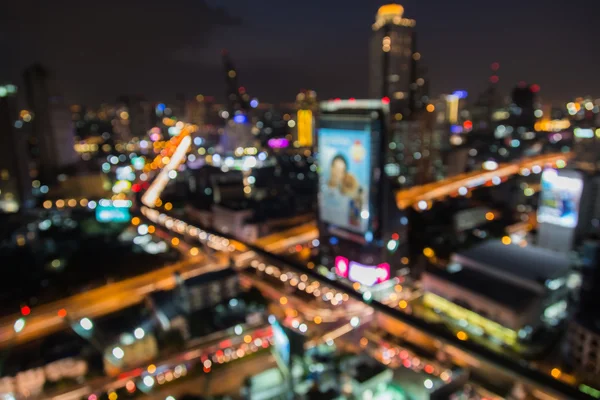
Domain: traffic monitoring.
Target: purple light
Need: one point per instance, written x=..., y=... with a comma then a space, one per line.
x=278, y=143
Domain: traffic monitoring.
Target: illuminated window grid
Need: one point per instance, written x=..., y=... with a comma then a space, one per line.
x=505, y=334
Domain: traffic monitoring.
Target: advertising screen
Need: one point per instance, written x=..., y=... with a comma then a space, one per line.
x=345, y=178
x=559, y=199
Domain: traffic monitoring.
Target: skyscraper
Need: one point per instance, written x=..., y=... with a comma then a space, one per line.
x=393, y=59
x=52, y=127
x=15, y=184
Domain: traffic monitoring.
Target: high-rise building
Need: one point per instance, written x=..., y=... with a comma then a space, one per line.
x=307, y=105
x=416, y=145
x=15, y=183
x=52, y=127
x=393, y=60
x=523, y=107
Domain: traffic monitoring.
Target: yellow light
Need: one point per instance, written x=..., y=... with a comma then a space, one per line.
x=283, y=301
x=398, y=288
x=356, y=286
x=489, y=216
x=83, y=202
x=168, y=206
x=158, y=202
x=403, y=304
x=398, y=117
x=456, y=312
x=404, y=260
x=428, y=252
x=47, y=204
x=318, y=320
x=247, y=338
x=124, y=115
x=305, y=128
x=194, y=251
x=72, y=203
x=151, y=229
x=556, y=373
x=175, y=241
x=151, y=368
x=462, y=336
x=199, y=98
x=364, y=342
x=506, y=240
x=135, y=221
x=113, y=396
x=430, y=108
x=390, y=10
x=60, y=203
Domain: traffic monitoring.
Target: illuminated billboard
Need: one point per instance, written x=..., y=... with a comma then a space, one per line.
x=305, y=128
x=113, y=211
x=368, y=275
x=559, y=199
x=345, y=177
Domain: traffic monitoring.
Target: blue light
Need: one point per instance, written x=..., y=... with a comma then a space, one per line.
x=404, y=221
x=369, y=236
x=461, y=94
x=254, y=103
x=240, y=119
x=456, y=129
x=333, y=240
x=160, y=107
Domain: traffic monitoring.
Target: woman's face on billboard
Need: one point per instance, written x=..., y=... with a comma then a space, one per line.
x=338, y=171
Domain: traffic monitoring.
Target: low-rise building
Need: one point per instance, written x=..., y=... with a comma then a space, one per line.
x=506, y=292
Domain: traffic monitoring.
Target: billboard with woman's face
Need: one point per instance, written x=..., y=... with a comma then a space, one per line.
x=345, y=178
x=559, y=200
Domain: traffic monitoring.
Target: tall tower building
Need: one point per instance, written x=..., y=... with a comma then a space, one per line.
x=15, y=184
x=52, y=126
x=393, y=62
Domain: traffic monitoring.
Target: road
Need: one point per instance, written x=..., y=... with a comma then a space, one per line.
x=450, y=186
x=224, y=381
x=104, y=300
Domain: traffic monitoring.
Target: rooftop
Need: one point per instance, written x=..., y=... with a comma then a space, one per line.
x=512, y=296
x=530, y=262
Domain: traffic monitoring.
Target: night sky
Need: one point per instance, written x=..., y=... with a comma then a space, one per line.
x=99, y=50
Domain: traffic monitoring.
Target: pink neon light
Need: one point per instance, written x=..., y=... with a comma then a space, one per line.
x=278, y=143
x=341, y=266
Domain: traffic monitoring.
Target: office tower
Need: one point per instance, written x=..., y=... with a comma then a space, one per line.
x=416, y=145
x=306, y=103
x=522, y=109
x=362, y=232
x=15, y=183
x=52, y=127
x=487, y=103
x=393, y=59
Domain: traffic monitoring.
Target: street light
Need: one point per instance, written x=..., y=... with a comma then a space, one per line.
x=118, y=353
x=86, y=324
x=19, y=325
x=139, y=333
